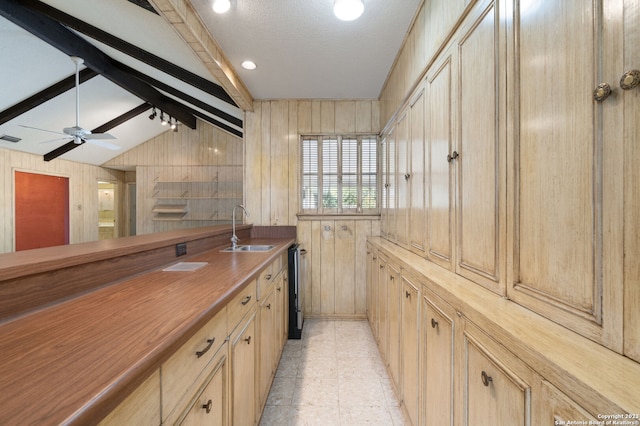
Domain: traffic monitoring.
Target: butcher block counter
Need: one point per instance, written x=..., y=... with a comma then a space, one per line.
x=72, y=358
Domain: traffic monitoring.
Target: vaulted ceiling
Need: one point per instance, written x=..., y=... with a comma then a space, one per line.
x=141, y=55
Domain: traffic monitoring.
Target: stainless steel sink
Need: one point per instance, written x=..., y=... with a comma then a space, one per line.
x=250, y=247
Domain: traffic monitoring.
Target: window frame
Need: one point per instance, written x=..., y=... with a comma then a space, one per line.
x=318, y=208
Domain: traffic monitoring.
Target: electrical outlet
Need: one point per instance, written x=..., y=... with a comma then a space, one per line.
x=181, y=249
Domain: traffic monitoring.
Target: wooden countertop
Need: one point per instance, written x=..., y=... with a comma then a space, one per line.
x=75, y=361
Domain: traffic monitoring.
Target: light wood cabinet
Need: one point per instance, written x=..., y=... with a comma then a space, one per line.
x=383, y=310
x=437, y=360
x=566, y=218
x=243, y=372
x=416, y=173
x=210, y=407
x=142, y=407
x=496, y=387
x=403, y=150
x=556, y=408
x=183, y=373
x=410, y=346
x=266, y=345
x=395, y=325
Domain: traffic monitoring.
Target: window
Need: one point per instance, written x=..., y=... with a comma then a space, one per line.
x=339, y=174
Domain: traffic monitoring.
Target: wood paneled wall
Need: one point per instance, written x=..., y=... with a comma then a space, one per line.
x=334, y=279
x=434, y=23
x=182, y=153
x=83, y=194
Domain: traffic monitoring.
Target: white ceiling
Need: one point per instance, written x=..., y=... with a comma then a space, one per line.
x=302, y=51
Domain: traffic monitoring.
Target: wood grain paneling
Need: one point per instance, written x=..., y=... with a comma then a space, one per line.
x=335, y=281
x=83, y=194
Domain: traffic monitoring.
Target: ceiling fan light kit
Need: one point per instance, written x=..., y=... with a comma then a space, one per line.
x=348, y=10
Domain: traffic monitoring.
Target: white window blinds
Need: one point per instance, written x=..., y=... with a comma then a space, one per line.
x=339, y=174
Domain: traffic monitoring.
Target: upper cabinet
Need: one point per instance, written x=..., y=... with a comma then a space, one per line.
x=566, y=179
x=513, y=161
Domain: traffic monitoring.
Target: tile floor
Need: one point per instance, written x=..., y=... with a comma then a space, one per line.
x=334, y=375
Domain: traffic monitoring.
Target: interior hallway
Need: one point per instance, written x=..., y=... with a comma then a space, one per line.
x=334, y=375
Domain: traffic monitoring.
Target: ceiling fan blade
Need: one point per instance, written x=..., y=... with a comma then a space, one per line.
x=43, y=130
x=98, y=136
x=56, y=140
x=104, y=144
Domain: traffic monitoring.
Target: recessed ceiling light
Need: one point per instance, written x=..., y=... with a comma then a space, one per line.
x=248, y=65
x=221, y=6
x=348, y=10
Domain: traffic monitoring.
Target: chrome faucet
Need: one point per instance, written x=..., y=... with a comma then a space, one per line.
x=234, y=237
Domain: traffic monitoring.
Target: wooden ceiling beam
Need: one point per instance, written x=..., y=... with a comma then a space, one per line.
x=45, y=95
x=71, y=44
x=100, y=129
x=183, y=17
x=131, y=50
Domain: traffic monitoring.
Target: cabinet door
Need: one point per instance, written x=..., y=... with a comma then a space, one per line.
x=210, y=407
x=481, y=137
x=243, y=369
x=394, y=324
x=566, y=227
x=402, y=178
x=417, y=212
x=392, y=185
x=437, y=361
x=281, y=318
x=440, y=173
x=142, y=407
x=556, y=408
x=410, y=348
x=375, y=303
x=496, y=385
x=266, y=346
x=383, y=309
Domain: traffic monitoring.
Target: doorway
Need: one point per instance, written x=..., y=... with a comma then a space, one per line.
x=106, y=210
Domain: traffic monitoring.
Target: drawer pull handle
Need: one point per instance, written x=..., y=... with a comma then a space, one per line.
x=268, y=277
x=248, y=340
x=204, y=351
x=269, y=306
x=246, y=300
x=486, y=379
x=207, y=407
x=279, y=288
x=452, y=156
x=434, y=323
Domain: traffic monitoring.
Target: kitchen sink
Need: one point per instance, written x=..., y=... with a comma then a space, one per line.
x=250, y=247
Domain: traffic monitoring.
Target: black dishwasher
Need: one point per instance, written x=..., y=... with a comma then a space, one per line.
x=296, y=296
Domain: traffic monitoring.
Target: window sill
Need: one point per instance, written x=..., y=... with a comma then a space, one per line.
x=306, y=216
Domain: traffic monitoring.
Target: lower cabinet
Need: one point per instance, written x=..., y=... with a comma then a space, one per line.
x=243, y=373
x=223, y=373
x=496, y=386
x=437, y=350
x=410, y=347
x=210, y=406
x=447, y=370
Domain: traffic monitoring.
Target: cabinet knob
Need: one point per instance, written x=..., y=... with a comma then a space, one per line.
x=204, y=351
x=434, y=323
x=268, y=306
x=207, y=407
x=407, y=176
x=407, y=295
x=602, y=92
x=268, y=277
x=452, y=156
x=248, y=340
x=486, y=379
x=630, y=80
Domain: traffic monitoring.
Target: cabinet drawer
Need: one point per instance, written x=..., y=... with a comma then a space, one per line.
x=241, y=304
x=266, y=279
x=181, y=372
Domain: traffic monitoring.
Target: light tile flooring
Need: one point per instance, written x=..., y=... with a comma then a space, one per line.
x=334, y=375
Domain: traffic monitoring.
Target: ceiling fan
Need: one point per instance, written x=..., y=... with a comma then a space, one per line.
x=76, y=133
